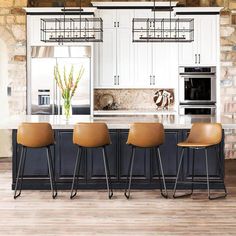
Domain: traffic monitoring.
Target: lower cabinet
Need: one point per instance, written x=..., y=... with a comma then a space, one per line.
x=169, y=155
x=65, y=157
x=141, y=168
x=92, y=173
x=95, y=163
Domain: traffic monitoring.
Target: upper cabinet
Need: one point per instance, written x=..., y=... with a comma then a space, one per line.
x=203, y=50
x=115, y=55
x=33, y=30
x=165, y=65
x=155, y=64
x=143, y=56
x=120, y=63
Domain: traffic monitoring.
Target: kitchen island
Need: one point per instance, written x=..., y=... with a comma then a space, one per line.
x=145, y=173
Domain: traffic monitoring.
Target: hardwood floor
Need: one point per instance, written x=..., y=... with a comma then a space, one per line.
x=35, y=213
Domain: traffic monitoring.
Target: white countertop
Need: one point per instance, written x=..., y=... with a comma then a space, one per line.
x=123, y=112
x=117, y=122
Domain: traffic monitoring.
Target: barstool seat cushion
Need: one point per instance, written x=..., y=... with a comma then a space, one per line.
x=146, y=135
x=203, y=135
x=35, y=135
x=197, y=145
x=91, y=135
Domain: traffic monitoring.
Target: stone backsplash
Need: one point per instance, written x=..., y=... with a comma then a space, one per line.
x=129, y=99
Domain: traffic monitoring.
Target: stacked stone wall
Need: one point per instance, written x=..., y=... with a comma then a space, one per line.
x=13, y=34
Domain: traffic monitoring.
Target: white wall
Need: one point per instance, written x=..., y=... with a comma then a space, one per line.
x=5, y=137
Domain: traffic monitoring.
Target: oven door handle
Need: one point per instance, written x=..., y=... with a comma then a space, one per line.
x=198, y=76
x=197, y=106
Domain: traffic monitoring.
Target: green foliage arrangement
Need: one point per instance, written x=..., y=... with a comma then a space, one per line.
x=67, y=85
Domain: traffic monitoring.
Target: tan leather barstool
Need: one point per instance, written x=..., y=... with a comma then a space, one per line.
x=146, y=135
x=202, y=136
x=35, y=135
x=91, y=135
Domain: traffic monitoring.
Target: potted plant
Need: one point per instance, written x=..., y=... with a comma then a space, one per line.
x=68, y=86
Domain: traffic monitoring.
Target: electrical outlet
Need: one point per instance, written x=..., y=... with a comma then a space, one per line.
x=8, y=91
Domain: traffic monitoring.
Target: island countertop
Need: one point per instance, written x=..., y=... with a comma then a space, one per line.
x=117, y=122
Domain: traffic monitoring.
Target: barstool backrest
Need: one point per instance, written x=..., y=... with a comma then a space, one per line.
x=91, y=135
x=35, y=135
x=146, y=135
x=209, y=133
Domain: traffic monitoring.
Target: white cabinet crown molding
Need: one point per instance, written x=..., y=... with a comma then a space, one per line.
x=197, y=9
x=55, y=9
x=133, y=4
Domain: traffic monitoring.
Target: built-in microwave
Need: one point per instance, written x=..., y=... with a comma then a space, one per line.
x=197, y=85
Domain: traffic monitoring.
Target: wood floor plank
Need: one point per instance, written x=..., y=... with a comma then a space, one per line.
x=91, y=213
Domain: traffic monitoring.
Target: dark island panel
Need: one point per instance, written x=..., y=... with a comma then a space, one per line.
x=92, y=175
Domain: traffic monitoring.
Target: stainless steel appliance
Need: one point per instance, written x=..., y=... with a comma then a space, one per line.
x=197, y=85
x=43, y=94
x=197, y=90
x=197, y=110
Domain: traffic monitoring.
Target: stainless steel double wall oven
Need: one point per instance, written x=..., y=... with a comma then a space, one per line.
x=197, y=90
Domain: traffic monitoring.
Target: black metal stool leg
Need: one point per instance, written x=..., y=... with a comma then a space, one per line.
x=193, y=167
x=76, y=171
x=51, y=173
x=130, y=172
x=208, y=181
x=221, y=170
x=176, y=181
x=165, y=195
x=20, y=172
x=107, y=172
x=207, y=174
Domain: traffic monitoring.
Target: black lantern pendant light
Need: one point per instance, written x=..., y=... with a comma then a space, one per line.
x=163, y=29
x=67, y=29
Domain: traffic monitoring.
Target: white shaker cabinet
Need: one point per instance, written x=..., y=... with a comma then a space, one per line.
x=165, y=65
x=105, y=60
x=202, y=51
x=207, y=46
x=115, y=54
x=156, y=64
x=33, y=30
x=142, y=65
x=143, y=56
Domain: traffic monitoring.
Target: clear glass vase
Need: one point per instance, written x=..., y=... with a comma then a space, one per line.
x=67, y=108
